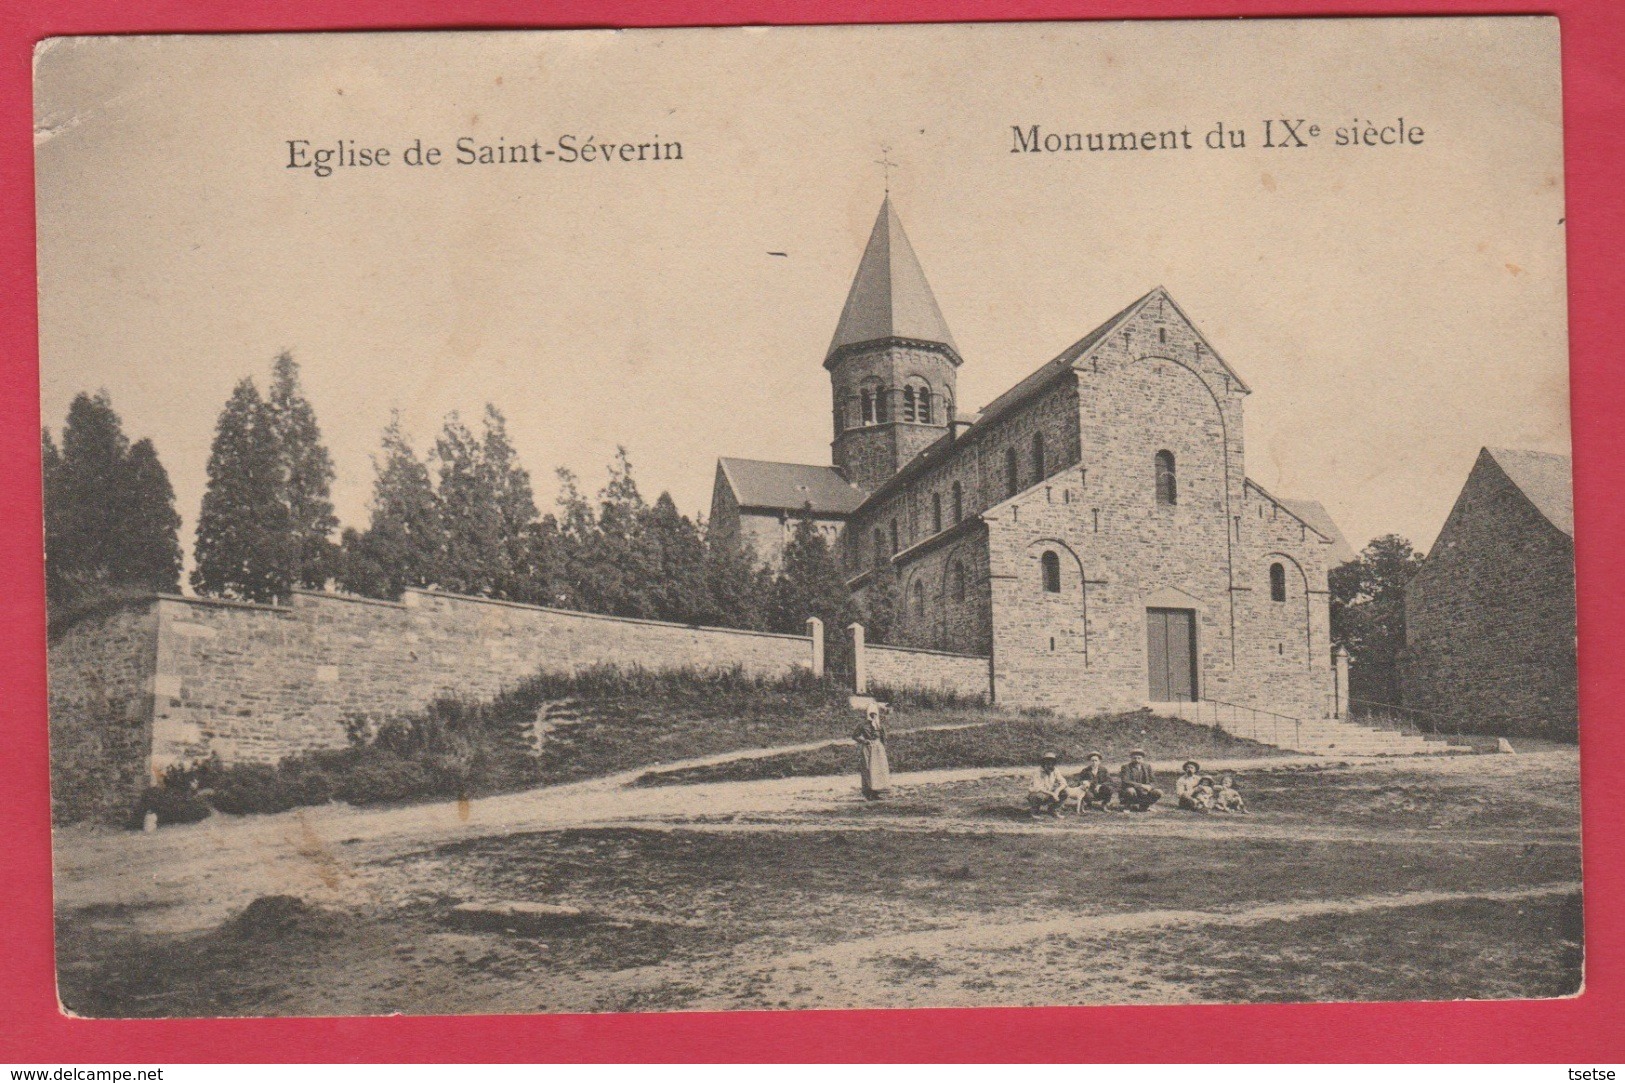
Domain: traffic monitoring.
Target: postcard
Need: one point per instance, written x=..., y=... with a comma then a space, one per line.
x=820, y=517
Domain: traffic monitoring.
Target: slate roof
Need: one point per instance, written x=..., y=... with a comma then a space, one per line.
x=890, y=297
x=1547, y=481
x=1321, y=522
x=790, y=487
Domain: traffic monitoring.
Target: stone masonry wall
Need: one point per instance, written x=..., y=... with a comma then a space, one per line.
x=977, y=465
x=943, y=596
x=1490, y=617
x=100, y=706
x=898, y=668
x=1153, y=386
x=255, y=683
x=869, y=454
x=170, y=680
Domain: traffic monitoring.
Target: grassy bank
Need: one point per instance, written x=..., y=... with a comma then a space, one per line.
x=992, y=741
x=553, y=728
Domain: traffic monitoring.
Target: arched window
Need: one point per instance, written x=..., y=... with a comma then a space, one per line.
x=956, y=581
x=894, y=545
x=922, y=405
x=1050, y=564
x=1277, y=583
x=1167, y=480
x=916, y=597
x=1038, y=457
x=936, y=512
x=908, y=404
x=882, y=405
x=867, y=395
x=1012, y=473
x=959, y=502
x=880, y=548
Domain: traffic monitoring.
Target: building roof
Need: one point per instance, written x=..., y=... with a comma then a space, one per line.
x=1313, y=513
x=790, y=486
x=890, y=297
x=1546, y=480
x=1034, y=383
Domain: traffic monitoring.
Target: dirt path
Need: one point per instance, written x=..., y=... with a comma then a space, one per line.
x=866, y=971
x=193, y=876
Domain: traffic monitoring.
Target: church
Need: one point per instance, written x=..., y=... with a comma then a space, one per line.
x=1092, y=531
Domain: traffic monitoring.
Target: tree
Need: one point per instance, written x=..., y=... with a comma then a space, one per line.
x=1368, y=615
x=475, y=560
x=737, y=586
x=245, y=545
x=576, y=528
x=679, y=591
x=404, y=540
x=151, y=553
x=110, y=521
x=540, y=574
x=307, y=476
x=515, y=506
x=810, y=584
x=882, y=604
x=613, y=563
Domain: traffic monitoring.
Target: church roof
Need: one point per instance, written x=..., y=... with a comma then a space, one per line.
x=890, y=297
x=1545, y=479
x=790, y=487
x=1318, y=519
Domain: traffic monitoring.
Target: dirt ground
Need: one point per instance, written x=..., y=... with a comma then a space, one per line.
x=1428, y=878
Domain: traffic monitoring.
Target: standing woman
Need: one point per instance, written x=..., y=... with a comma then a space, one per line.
x=871, y=739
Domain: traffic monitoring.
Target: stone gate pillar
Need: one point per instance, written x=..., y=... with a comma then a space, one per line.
x=815, y=632
x=860, y=665
x=1340, y=668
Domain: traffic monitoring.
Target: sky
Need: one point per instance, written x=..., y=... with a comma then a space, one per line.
x=1393, y=308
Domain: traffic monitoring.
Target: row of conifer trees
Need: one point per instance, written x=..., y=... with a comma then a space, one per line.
x=462, y=518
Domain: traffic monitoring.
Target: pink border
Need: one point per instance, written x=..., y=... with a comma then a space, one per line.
x=1588, y=1028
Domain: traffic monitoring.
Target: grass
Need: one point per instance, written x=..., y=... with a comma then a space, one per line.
x=750, y=897
x=1474, y=949
x=602, y=720
x=995, y=742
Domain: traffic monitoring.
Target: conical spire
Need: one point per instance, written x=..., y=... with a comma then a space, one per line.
x=890, y=297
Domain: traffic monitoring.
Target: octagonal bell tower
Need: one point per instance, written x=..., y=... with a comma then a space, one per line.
x=892, y=362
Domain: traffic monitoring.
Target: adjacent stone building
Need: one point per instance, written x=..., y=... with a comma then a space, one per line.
x=1489, y=616
x=1092, y=530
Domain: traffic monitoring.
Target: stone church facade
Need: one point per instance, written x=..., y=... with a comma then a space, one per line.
x=1489, y=616
x=1092, y=530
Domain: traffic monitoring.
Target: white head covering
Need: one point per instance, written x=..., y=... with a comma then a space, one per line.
x=873, y=711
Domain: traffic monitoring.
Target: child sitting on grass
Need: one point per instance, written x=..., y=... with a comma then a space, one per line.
x=1227, y=798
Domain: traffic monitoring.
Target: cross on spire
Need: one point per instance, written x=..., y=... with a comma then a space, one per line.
x=886, y=164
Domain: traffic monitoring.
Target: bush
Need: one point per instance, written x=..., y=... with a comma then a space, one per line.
x=173, y=805
x=383, y=776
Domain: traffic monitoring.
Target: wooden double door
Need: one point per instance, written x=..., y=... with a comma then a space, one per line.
x=1170, y=652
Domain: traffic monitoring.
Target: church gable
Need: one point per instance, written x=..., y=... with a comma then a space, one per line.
x=1155, y=326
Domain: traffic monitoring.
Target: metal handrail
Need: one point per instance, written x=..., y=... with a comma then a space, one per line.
x=1256, y=716
x=1434, y=719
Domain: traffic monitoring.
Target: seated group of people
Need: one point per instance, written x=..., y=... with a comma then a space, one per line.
x=1135, y=788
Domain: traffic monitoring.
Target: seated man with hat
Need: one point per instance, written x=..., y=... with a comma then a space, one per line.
x=1093, y=785
x=1049, y=789
x=1137, y=783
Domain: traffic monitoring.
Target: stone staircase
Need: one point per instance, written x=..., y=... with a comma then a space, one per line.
x=1316, y=736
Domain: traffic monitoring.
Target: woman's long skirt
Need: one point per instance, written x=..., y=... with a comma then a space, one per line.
x=876, y=771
